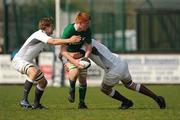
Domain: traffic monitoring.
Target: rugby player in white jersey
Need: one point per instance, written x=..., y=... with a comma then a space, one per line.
x=116, y=70
x=23, y=60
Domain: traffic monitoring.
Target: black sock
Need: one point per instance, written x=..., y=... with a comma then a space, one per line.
x=82, y=92
x=27, y=88
x=72, y=85
x=119, y=97
x=38, y=94
x=147, y=92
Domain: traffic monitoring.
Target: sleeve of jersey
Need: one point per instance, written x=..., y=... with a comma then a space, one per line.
x=43, y=37
x=89, y=37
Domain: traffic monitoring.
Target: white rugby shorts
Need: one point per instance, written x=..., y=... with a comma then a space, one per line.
x=22, y=65
x=119, y=72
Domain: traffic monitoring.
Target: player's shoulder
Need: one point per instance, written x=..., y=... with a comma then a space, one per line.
x=38, y=32
x=68, y=31
x=70, y=27
x=88, y=31
x=38, y=35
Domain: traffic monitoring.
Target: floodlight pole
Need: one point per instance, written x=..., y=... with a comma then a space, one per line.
x=57, y=34
x=123, y=23
x=57, y=13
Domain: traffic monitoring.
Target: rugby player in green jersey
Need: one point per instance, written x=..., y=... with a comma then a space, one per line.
x=79, y=28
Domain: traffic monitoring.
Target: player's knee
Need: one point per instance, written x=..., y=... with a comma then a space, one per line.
x=32, y=73
x=83, y=73
x=133, y=86
x=73, y=74
x=82, y=80
x=42, y=83
x=105, y=89
x=128, y=84
x=29, y=69
x=39, y=76
x=45, y=82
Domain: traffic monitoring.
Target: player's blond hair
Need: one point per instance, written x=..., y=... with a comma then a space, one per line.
x=45, y=22
x=82, y=17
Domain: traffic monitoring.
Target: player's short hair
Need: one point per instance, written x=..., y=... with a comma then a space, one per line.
x=82, y=17
x=45, y=22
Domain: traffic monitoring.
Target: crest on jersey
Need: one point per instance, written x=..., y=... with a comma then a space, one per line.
x=83, y=38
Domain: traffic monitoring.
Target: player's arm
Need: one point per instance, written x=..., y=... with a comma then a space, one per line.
x=54, y=41
x=64, y=53
x=88, y=49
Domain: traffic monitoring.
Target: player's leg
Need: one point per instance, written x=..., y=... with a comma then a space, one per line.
x=109, y=81
x=35, y=74
x=27, y=87
x=73, y=74
x=145, y=91
x=23, y=67
x=108, y=90
x=42, y=83
x=82, y=88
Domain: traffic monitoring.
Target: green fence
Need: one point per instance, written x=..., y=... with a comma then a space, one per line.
x=122, y=25
x=158, y=26
x=21, y=19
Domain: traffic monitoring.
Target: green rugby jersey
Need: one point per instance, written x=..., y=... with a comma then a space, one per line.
x=69, y=31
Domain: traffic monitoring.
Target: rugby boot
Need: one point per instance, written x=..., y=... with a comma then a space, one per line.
x=126, y=104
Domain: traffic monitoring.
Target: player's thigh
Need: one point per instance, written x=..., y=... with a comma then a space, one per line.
x=22, y=66
x=33, y=72
x=120, y=69
x=73, y=73
x=110, y=79
x=121, y=72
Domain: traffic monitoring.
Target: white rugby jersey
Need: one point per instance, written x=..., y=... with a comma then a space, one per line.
x=103, y=57
x=33, y=46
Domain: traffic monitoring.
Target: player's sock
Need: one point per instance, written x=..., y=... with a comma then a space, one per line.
x=142, y=89
x=82, y=92
x=27, y=87
x=38, y=94
x=116, y=95
x=72, y=85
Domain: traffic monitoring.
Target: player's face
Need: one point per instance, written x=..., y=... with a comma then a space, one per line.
x=49, y=30
x=83, y=26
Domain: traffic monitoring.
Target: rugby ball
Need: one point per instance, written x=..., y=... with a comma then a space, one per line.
x=85, y=62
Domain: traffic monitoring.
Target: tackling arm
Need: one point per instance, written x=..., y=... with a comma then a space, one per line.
x=54, y=41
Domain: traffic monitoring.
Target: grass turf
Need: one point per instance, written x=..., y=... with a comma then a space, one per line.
x=101, y=107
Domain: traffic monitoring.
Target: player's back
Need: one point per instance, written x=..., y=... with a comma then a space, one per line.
x=33, y=46
x=106, y=59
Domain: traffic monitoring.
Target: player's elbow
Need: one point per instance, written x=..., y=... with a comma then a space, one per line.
x=51, y=41
x=62, y=52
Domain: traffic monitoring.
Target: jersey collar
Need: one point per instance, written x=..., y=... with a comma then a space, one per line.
x=75, y=26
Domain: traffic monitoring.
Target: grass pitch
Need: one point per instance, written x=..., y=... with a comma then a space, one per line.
x=101, y=107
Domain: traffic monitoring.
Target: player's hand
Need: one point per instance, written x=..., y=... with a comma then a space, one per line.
x=74, y=39
x=78, y=65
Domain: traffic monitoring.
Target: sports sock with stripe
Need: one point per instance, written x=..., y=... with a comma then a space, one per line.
x=27, y=87
x=82, y=92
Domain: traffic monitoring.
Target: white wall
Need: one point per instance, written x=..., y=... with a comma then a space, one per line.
x=144, y=68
